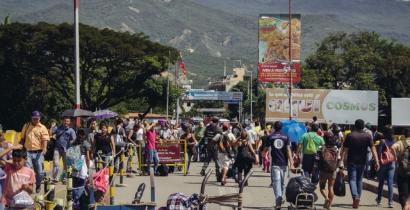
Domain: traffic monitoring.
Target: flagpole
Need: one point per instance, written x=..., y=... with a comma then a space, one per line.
x=77, y=58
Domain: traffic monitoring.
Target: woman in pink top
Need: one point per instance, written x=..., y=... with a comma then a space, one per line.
x=152, y=155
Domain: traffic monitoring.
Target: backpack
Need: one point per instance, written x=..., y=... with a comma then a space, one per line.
x=329, y=159
x=404, y=162
x=73, y=158
x=310, y=146
x=163, y=170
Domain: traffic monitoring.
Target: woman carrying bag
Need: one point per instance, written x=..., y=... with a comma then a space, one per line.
x=388, y=166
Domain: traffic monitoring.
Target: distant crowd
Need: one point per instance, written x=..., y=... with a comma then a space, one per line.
x=320, y=155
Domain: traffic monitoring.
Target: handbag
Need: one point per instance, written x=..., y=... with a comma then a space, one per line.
x=387, y=156
x=22, y=200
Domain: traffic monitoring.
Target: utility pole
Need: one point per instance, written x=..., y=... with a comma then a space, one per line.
x=169, y=64
x=290, y=61
x=77, y=58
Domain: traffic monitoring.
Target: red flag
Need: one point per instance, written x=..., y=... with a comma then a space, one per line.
x=182, y=66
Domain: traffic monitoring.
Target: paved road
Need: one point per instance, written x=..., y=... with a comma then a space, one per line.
x=257, y=195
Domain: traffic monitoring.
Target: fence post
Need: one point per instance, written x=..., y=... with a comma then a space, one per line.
x=122, y=166
x=69, y=188
x=112, y=188
x=50, y=189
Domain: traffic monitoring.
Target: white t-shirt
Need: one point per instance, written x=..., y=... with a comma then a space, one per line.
x=252, y=136
x=140, y=134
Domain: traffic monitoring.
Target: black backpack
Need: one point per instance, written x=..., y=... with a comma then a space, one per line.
x=163, y=170
x=404, y=161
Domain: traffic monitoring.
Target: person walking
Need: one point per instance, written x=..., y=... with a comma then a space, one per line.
x=191, y=141
x=34, y=140
x=355, y=148
x=387, y=170
x=210, y=140
x=225, y=152
x=120, y=138
x=401, y=150
x=309, y=145
x=65, y=136
x=246, y=156
x=329, y=155
x=281, y=157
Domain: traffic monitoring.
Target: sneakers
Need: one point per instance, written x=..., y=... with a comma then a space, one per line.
x=278, y=205
x=391, y=205
x=378, y=202
x=202, y=172
x=356, y=203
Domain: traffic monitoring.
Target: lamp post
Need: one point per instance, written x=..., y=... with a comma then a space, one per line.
x=77, y=58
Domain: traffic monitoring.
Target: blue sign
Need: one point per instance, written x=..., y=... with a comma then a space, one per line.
x=212, y=96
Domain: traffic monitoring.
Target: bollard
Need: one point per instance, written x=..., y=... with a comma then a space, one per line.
x=130, y=156
x=99, y=160
x=122, y=166
x=69, y=189
x=152, y=185
x=112, y=188
x=49, y=189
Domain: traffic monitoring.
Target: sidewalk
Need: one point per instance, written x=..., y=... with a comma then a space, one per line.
x=372, y=185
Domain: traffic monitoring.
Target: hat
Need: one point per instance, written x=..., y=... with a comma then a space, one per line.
x=36, y=115
x=368, y=125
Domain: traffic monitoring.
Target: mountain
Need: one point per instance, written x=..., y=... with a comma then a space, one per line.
x=219, y=30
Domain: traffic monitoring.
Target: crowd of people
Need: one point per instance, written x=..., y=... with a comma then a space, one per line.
x=320, y=154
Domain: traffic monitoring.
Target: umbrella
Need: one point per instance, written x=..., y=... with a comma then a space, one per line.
x=77, y=113
x=104, y=114
x=293, y=129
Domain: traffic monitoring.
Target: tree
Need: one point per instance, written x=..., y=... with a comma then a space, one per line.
x=37, y=63
x=360, y=61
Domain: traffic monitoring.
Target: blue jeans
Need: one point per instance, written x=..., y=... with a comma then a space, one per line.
x=56, y=162
x=386, y=172
x=78, y=191
x=355, y=174
x=35, y=161
x=278, y=182
x=152, y=157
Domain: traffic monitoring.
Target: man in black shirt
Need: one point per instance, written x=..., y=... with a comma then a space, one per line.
x=355, y=147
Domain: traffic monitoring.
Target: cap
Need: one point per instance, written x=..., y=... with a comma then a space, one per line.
x=36, y=115
x=368, y=125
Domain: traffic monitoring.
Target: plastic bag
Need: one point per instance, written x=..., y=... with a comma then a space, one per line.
x=299, y=185
x=22, y=200
x=339, y=187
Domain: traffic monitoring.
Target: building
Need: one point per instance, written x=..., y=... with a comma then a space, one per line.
x=229, y=81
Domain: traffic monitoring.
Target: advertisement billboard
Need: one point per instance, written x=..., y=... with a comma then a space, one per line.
x=330, y=106
x=400, y=112
x=274, y=48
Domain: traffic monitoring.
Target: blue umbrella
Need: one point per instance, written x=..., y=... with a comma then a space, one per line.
x=293, y=129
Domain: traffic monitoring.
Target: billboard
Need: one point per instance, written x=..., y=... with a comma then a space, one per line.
x=330, y=106
x=212, y=96
x=274, y=48
x=400, y=112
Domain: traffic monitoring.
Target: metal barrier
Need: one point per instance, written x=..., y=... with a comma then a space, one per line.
x=182, y=160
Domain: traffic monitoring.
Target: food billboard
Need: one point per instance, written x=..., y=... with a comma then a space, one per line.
x=274, y=48
x=330, y=106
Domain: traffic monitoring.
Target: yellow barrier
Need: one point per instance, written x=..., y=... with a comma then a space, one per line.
x=184, y=157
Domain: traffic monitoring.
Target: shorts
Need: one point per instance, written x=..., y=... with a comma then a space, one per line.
x=224, y=160
x=327, y=175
